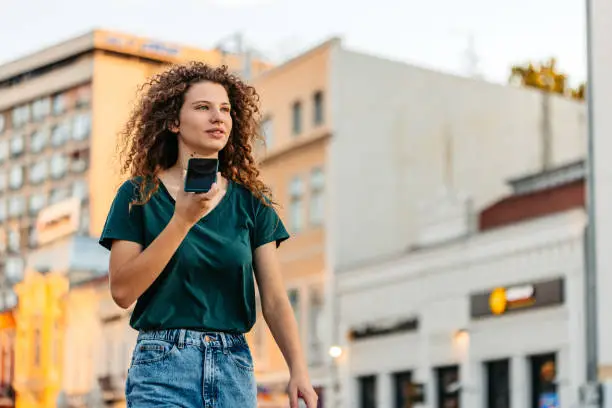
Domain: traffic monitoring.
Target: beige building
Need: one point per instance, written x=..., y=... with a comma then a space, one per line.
x=297, y=125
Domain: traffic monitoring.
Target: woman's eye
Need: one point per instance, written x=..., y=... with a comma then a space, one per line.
x=202, y=107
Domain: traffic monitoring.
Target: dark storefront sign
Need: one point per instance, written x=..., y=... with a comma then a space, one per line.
x=528, y=296
x=383, y=329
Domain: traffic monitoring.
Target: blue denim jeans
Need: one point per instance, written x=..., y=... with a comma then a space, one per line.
x=189, y=369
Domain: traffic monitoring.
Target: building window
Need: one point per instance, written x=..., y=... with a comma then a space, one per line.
x=4, y=150
x=81, y=126
x=21, y=116
x=16, y=206
x=367, y=391
x=11, y=300
x=294, y=299
x=13, y=240
x=79, y=161
x=544, y=391
x=448, y=387
x=267, y=131
x=296, y=205
x=3, y=181
x=498, y=383
x=315, y=321
x=297, y=118
x=317, y=197
x=60, y=134
x=59, y=104
x=84, y=221
x=2, y=122
x=83, y=96
x=58, y=194
x=17, y=145
x=14, y=270
x=59, y=165
x=32, y=236
x=318, y=108
x=403, y=389
x=16, y=177
x=3, y=210
x=41, y=109
x=80, y=190
x=36, y=203
x=39, y=140
x=38, y=172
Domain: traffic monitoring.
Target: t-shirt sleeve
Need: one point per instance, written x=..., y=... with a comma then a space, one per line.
x=268, y=226
x=123, y=223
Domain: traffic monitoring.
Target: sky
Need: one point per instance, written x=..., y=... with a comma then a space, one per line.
x=433, y=33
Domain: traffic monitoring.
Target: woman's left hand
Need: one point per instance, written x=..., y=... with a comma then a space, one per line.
x=299, y=387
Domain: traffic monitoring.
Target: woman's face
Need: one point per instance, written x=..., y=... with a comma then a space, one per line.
x=205, y=122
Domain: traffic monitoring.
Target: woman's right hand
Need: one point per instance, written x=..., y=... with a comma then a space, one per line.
x=189, y=208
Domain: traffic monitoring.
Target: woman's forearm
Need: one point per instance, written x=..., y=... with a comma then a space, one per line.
x=133, y=278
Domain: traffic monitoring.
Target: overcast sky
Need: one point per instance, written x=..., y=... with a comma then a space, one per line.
x=430, y=33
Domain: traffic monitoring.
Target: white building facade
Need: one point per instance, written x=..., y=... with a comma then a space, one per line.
x=406, y=139
x=448, y=338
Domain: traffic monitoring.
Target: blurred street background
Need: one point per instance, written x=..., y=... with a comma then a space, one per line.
x=440, y=165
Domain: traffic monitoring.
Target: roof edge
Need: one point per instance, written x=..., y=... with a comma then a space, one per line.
x=328, y=43
x=48, y=55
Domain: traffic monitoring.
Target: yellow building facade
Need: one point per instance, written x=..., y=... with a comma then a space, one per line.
x=39, y=340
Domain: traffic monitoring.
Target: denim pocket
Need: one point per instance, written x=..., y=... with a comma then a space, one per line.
x=241, y=356
x=151, y=351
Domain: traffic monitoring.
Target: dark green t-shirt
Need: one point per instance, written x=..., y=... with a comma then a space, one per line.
x=208, y=283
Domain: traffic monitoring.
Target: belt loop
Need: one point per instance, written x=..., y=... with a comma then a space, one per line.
x=181, y=339
x=223, y=342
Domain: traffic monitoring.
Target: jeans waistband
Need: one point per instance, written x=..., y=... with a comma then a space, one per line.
x=180, y=337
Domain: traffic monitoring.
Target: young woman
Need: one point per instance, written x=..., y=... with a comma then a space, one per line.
x=190, y=260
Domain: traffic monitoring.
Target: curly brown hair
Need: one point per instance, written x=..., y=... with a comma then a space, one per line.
x=148, y=146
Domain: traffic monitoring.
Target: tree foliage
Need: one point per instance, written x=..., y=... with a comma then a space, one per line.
x=546, y=77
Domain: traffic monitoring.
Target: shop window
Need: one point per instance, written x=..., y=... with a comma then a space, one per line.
x=498, y=383
x=448, y=387
x=544, y=391
x=367, y=391
x=403, y=389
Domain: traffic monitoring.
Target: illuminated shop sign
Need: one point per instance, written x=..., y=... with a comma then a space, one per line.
x=58, y=220
x=503, y=300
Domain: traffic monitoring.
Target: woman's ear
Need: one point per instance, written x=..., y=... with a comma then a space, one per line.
x=174, y=126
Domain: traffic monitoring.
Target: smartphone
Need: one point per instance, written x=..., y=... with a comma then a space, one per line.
x=201, y=174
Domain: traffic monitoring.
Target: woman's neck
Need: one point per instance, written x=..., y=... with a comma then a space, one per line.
x=185, y=153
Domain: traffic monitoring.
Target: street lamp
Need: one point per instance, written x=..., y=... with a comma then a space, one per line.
x=335, y=352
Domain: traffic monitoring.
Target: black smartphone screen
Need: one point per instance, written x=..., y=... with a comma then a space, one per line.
x=201, y=174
